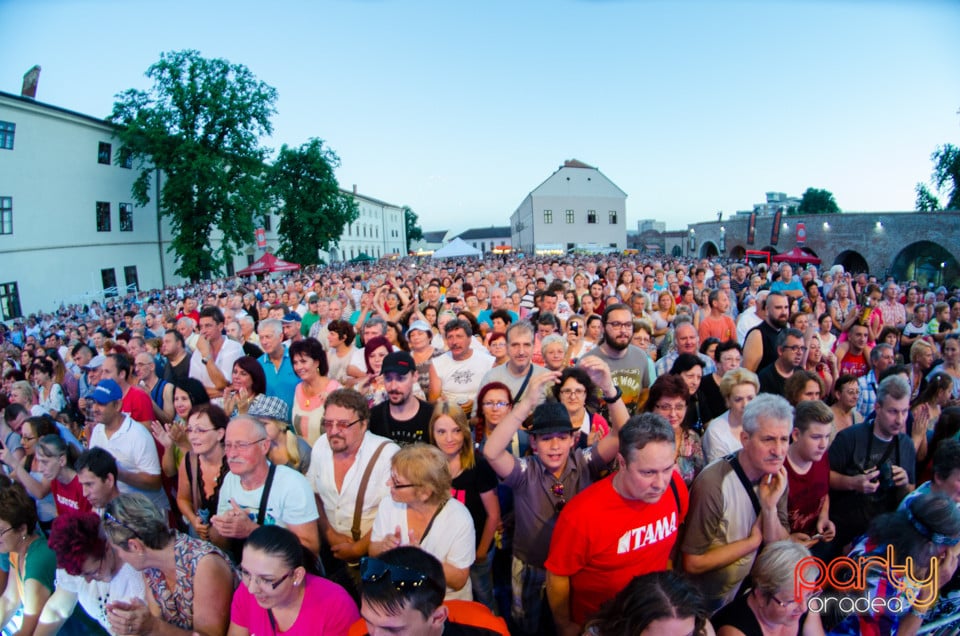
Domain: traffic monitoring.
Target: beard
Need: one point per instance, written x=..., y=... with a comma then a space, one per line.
x=617, y=346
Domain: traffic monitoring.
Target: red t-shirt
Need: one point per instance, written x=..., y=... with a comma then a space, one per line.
x=854, y=364
x=601, y=541
x=69, y=497
x=806, y=495
x=138, y=404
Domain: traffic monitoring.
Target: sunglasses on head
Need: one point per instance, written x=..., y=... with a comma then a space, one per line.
x=373, y=570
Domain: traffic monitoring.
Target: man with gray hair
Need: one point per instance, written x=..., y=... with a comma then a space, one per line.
x=462, y=367
x=256, y=492
x=282, y=380
x=739, y=502
x=881, y=359
x=872, y=465
x=631, y=518
x=519, y=369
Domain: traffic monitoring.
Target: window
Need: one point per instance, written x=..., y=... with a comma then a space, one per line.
x=9, y=301
x=7, y=130
x=267, y=222
x=570, y=216
x=133, y=282
x=547, y=217
x=230, y=269
x=126, y=158
x=613, y=217
x=109, y=278
x=249, y=260
x=126, y=217
x=591, y=216
x=6, y=215
x=104, y=153
x=103, y=216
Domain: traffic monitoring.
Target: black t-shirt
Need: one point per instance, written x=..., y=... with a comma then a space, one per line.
x=771, y=381
x=468, y=486
x=403, y=432
x=177, y=373
x=711, y=400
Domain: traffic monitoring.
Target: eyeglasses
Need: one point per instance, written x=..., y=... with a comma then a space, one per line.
x=620, y=325
x=795, y=348
x=399, y=486
x=107, y=516
x=241, y=446
x=27, y=438
x=93, y=575
x=250, y=579
x=3, y=532
x=495, y=405
x=373, y=570
x=573, y=392
x=341, y=424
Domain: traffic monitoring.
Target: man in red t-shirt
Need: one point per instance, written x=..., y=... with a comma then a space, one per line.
x=136, y=401
x=618, y=528
x=808, y=473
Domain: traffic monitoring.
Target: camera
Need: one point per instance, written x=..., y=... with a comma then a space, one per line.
x=886, y=476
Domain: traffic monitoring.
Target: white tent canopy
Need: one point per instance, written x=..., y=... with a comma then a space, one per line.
x=456, y=247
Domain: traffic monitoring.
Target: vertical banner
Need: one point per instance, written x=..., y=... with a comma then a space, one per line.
x=775, y=230
x=752, y=229
x=261, y=237
x=801, y=234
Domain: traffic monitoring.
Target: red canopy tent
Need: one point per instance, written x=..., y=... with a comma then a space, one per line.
x=266, y=264
x=797, y=255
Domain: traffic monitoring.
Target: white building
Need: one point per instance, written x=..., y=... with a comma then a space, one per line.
x=379, y=231
x=68, y=225
x=71, y=233
x=486, y=238
x=577, y=207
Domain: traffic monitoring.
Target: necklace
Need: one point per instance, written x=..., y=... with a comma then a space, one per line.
x=310, y=396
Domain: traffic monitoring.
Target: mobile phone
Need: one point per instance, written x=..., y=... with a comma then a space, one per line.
x=816, y=537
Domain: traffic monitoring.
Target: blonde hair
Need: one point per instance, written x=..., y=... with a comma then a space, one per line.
x=445, y=408
x=736, y=377
x=425, y=466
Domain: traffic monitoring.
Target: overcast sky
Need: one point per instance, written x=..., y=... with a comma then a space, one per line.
x=459, y=109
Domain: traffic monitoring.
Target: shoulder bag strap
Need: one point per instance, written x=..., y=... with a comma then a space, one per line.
x=742, y=476
x=262, y=513
x=193, y=466
x=362, y=491
x=523, y=387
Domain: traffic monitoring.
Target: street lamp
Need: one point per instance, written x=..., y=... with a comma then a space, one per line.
x=723, y=240
x=692, y=242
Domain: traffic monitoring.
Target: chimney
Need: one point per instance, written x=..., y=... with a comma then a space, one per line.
x=30, y=80
x=354, y=189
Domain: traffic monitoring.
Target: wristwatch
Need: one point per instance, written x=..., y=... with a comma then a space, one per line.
x=204, y=360
x=616, y=396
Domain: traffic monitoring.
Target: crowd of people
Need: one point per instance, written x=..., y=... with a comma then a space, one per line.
x=577, y=445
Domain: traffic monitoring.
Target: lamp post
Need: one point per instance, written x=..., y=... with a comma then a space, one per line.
x=692, y=243
x=723, y=240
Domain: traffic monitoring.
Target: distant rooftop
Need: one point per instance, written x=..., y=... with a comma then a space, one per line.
x=485, y=233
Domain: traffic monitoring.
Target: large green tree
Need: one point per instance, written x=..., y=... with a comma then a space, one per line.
x=816, y=201
x=946, y=174
x=414, y=232
x=313, y=210
x=200, y=124
x=926, y=201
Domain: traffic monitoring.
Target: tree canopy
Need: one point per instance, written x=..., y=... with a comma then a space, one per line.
x=816, y=201
x=414, y=232
x=200, y=124
x=313, y=211
x=945, y=178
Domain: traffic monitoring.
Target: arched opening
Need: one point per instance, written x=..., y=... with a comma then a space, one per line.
x=927, y=263
x=770, y=248
x=809, y=251
x=708, y=249
x=738, y=252
x=677, y=251
x=852, y=262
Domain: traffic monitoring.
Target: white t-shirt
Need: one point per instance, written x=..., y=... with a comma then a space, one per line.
x=460, y=380
x=228, y=354
x=452, y=537
x=718, y=440
x=125, y=586
x=290, y=503
x=339, y=506
x=134, y=449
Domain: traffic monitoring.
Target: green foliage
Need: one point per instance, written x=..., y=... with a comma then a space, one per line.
x=200, y=124
x=313, y=211
x=926, y=200
x=414, y=232
x=816, y=201
x=946, y=174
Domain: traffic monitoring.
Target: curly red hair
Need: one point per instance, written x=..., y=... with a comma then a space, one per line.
x=74, y=538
